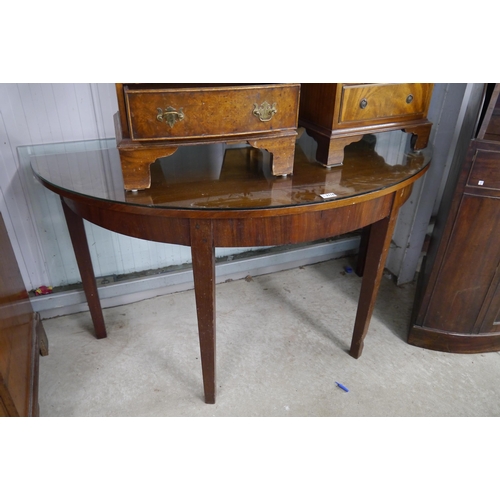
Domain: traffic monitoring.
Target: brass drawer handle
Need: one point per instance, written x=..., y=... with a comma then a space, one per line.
x=409, y=99
x=363, y=103
x=170, y=115
x=265, y=111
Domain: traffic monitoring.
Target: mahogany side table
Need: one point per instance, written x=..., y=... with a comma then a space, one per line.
x=213, y=196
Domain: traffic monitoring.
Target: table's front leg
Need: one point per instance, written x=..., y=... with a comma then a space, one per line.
x=379, y=240
x=78, y=237
x=203, y=256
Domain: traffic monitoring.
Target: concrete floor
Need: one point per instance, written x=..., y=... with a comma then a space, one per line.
x=281, y=346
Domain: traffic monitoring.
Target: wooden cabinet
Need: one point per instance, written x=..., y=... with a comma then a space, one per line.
x=155, y=119
x=458, y=297
x=21, y=339
x=337, y=114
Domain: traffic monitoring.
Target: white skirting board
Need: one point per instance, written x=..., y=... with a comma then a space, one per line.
x=126, y=292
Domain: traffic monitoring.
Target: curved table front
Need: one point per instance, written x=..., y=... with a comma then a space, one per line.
x=215, y=196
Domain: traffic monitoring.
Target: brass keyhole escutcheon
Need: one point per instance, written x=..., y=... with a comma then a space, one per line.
x=363, y=103
x=265, y=111
x=409, y=99
x=170, y=115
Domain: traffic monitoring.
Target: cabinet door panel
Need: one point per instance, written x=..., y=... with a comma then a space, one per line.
x=18, y=338
x=469, y=267
x=491, y=321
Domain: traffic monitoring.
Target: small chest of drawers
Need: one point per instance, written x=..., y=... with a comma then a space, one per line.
x=337, y=114
x=155, y=119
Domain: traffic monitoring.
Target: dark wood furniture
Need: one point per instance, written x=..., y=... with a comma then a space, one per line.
x=337, y=114
x=153, y=120
x=210, y=196
x=22, y=337
x=458, y=303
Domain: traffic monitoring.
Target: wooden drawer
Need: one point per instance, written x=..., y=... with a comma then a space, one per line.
x=177, y=113
x=485, y=172
x=382, y=102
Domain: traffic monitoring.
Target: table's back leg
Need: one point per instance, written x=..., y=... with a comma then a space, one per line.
x=203, y=255
x=76, y=230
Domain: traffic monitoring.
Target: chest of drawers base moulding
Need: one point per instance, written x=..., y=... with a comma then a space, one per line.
x=203, y=115
x=136, y=157
x=331, y=144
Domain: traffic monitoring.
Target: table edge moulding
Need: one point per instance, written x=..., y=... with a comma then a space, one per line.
x=214, y=194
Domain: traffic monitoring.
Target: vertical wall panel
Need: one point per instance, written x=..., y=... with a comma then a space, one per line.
x=105, y=106
x=34, y=114
x=14, y=202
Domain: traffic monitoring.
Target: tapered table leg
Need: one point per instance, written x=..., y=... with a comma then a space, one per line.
x=203, y=256
x=81, y=248
x=379, y=240
x=363, y=245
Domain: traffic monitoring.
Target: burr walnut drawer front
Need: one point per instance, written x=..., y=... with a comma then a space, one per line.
x=485, y=172
x=159, y=114
x=383, y=102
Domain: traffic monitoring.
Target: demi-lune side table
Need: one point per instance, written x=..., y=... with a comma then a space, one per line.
x=218, y=196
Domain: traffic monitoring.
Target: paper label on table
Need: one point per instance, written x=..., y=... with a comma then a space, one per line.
x=327, y=196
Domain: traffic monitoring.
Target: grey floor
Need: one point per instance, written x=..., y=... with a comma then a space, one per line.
x=282, y=342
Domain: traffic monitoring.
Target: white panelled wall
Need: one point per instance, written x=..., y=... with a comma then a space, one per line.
x=46, y=113
x=37, y=114
x=42, y=114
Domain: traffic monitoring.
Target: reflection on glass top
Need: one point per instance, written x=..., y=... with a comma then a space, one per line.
x=218, y=176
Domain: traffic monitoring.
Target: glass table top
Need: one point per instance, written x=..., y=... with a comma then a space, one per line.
x=219, y=176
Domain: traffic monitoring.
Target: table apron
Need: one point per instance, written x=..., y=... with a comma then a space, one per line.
x=240, y=232
x=300, y=228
